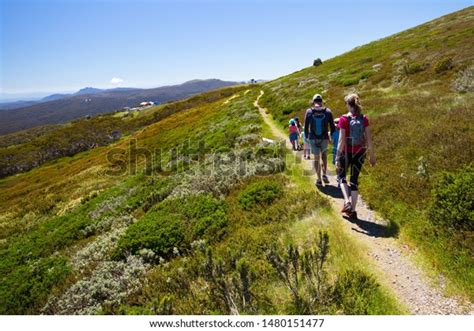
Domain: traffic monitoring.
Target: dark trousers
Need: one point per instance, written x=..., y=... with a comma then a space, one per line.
x=354, y=162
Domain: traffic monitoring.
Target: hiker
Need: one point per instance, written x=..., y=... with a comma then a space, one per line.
x=306, y=153
x=335, y=139
x=294, y=134
x=298, y=124
x=354, y=141
x=318, y=120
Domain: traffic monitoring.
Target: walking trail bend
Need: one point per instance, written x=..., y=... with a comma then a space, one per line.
x=410, y=284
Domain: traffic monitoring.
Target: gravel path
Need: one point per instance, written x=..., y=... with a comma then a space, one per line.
x=409, y=283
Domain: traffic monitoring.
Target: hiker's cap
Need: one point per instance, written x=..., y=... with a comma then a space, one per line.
x=317, y=97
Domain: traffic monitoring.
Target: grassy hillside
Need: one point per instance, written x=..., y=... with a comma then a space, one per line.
x=90, y=101
x=417, y=89
x=24, y=150
x=204, y=227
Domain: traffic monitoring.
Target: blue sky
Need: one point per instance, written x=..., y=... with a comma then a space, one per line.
x=51, y=45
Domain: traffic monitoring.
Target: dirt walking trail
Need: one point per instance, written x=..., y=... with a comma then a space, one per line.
x=408, y=282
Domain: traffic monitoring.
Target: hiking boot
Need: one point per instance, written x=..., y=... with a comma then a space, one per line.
x=319, y=182
x=326, y=179
x=347, y=208
x=353, y=216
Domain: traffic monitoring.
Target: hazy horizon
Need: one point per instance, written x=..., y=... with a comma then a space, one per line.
x=38, y=95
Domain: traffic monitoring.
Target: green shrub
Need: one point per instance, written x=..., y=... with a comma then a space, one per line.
x=259, y=193
x=352, y=80
x=445, y=64
x=413, y=68
x=354, y=291
x=366, y=74
x=453, y=200
x=156, y=231
x=210, y=227
x=156, y=191
x=204, y=215
x=349, y=81
x=366, y=60
x=27, y=287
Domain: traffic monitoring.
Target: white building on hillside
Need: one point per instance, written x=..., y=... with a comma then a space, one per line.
x=146, y=103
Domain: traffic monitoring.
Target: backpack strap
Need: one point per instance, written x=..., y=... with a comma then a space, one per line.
x=322, y=110
x=360, y=116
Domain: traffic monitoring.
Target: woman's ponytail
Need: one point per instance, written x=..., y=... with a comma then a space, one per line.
x=353, y=100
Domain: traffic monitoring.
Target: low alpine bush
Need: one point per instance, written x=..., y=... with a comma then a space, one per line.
x=445, y=64
x=156, y=231
x=414, y=68
x=259, y=193
x=205, y=216
x=354, y=292
x=317, y=62
x=453, y=200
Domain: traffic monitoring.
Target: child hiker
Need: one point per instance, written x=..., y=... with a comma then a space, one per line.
x=306, y=147
x=294, y=134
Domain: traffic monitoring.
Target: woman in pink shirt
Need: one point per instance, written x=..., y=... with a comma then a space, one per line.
x=355, y=140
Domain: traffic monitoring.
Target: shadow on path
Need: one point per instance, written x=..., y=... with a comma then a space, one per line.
x=331, y=190
x=372, y=229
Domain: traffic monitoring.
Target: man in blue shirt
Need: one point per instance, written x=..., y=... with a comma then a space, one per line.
x=318, y=121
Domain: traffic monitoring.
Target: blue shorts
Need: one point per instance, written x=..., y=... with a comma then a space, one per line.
x=318, y=146
x=293, y=136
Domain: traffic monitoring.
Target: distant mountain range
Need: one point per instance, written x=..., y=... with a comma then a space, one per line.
x=60, y=108
x=85, y=90
x=8, y=104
